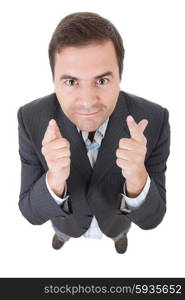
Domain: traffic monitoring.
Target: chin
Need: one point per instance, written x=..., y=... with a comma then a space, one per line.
x=88, y=128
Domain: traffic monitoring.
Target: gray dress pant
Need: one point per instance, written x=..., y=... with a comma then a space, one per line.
x=64, y=237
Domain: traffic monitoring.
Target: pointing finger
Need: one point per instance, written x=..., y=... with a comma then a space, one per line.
x=133, y=128
x=142, y=125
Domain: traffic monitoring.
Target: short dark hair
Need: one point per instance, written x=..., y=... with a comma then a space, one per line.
x=83, y=28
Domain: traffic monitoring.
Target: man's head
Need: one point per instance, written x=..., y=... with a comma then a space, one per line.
x=86, y=56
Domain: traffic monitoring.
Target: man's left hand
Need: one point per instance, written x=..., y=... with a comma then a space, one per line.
x=131, y=156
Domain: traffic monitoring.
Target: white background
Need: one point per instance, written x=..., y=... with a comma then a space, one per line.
x=153, y=36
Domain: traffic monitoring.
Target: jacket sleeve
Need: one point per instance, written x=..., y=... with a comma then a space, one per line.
x=35, y=202
x=153, y=209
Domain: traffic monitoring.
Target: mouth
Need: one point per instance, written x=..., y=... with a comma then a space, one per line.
x=89, y=114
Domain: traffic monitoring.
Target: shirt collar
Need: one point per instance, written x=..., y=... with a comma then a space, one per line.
x=99, y=132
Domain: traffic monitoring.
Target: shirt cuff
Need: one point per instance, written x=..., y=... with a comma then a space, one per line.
x=58, y=200
x=128, y=204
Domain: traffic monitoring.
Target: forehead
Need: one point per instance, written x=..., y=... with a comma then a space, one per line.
x=86, y=59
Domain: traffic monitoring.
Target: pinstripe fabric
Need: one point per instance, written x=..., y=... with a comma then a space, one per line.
x=95, y=192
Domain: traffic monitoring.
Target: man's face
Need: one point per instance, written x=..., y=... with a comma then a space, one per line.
x=87, y=83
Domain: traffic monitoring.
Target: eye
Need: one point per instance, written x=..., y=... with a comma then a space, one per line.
x=71, y=82
x=102, y=81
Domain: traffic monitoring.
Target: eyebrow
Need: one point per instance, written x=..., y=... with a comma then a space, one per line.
x=66, y=76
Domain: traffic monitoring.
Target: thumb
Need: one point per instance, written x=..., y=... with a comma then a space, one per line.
x=54, y=129
x=52, y=132
x=142, y=125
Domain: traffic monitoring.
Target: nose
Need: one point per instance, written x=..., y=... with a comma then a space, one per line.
x=88, y=99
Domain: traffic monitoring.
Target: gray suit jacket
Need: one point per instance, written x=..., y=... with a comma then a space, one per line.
x=93, y=191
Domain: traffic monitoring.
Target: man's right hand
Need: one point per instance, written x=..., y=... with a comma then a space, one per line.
x=56, y=151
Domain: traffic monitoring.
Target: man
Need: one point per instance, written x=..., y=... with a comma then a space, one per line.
x=93, y=157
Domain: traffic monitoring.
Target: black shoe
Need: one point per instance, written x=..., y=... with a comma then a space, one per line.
x=56, y=243
x=121, y=245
